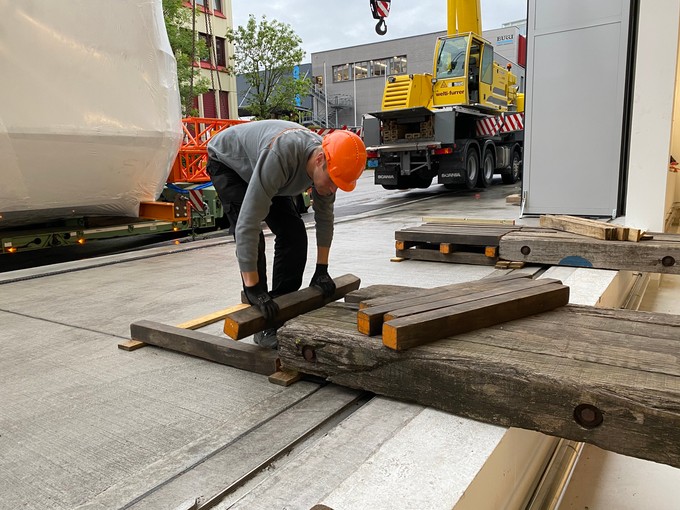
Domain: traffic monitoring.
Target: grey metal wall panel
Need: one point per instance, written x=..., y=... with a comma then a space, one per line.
x=576, y=76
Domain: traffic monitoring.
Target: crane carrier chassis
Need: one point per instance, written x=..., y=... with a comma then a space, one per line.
x=408, y=148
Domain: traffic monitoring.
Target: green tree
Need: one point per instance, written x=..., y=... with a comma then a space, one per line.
x=188, y=48
x=266, y=53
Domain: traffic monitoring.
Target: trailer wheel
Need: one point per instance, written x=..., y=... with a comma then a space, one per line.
x=471, y=168
x=488, y=167
x=513, y=175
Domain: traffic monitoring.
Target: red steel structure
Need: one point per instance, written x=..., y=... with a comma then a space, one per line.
x=192, y=157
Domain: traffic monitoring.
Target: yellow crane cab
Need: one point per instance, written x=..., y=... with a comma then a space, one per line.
x=465, y=74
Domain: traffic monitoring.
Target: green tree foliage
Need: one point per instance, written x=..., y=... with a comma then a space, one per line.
x=266, y=53
x=188, y=48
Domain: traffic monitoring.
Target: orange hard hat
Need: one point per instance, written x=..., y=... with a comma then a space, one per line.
x=346, y=158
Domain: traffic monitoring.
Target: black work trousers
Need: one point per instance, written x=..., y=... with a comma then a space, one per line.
x=290, y=241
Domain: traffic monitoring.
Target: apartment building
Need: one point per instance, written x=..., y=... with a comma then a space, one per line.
x=211, y=21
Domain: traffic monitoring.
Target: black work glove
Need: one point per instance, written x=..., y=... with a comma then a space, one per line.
x=323, y=281
x=258, y=296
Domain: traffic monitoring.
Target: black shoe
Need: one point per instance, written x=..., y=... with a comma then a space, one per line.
x=267, y=338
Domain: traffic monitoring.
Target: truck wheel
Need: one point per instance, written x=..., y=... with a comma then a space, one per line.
x=512, y=176
x=471, y=168
x=488, y=167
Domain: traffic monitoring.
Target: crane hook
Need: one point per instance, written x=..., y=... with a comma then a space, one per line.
x=381, y=27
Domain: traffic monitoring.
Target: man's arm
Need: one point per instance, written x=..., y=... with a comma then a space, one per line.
x=322, y=253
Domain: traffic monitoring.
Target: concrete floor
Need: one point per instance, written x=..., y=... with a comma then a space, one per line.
x=84, y=424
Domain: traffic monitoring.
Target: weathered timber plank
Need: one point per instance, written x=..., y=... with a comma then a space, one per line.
x=587, y=343
x=413, y=330
x=203, y=345
x=532, y=378
x=375, y=291
x=370, y=319
x=248, y=321
x=465, y=221
x=373, y=298
x=457, y=257
x=649, y=256
x=594, y=229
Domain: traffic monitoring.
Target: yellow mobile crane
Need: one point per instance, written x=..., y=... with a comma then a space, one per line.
x=462, y=123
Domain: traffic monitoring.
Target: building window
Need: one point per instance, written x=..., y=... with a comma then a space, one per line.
x=360, y=70
x=398, y=65
x=217, y=5
x=220, y=51
x=224, y=104
x=342, y=72
x=206, y=39
x=379, y=67
x=199, y=2
x=209, y=105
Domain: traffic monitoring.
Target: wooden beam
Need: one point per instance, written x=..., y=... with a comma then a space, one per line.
x=413, y=330
x=605, y=377
x=589, y=228
x=370, y=319
x=449, y=300
x=383, y=295
x=661, y=255
x=203, y=345
x=248, y=321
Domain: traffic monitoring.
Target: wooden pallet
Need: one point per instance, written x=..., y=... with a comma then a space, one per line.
x=460, y=243
x=510, y=246
x=605, y=377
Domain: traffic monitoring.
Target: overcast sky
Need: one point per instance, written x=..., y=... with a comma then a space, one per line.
x=329, y=24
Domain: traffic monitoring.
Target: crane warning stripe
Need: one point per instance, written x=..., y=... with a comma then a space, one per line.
x=491, y=126
x=383, y=9
x=196, y=199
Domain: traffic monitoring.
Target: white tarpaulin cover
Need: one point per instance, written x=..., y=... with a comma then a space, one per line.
x=90, y=118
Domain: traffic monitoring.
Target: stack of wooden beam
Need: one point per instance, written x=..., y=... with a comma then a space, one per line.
x=415, y=318
x=592, y=228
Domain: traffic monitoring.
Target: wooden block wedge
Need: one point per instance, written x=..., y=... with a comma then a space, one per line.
x=248, y=321
x=413, y=330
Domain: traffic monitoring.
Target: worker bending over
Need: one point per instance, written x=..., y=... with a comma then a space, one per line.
x=257, y=169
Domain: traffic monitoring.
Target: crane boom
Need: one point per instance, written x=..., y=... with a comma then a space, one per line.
x=464, y=16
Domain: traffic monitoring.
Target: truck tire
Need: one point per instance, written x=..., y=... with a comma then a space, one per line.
x=471, y=168
x=513, y=175
x=487, y=170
